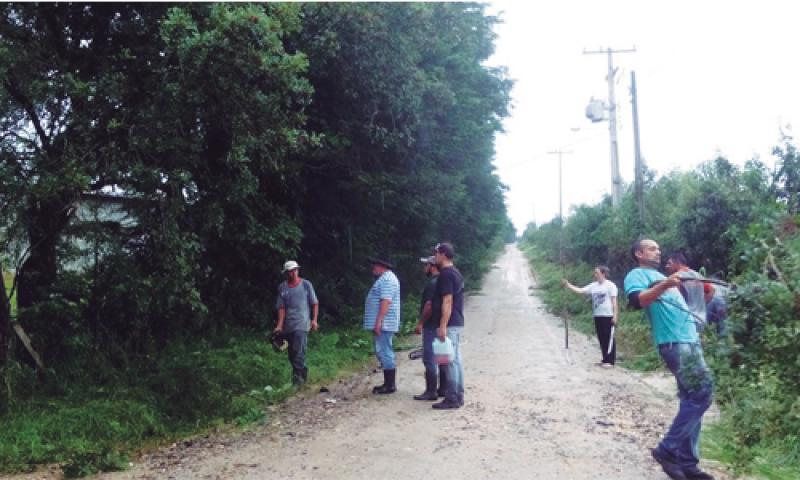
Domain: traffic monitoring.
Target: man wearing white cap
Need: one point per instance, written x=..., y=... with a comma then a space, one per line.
x=298, y=308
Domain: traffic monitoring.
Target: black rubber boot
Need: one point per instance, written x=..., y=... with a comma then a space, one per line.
x=430, y=388
x=447, y=404
x=442, y=382
x=297, y=377
x=388, y=383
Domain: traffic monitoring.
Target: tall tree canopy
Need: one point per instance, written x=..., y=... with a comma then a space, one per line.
x=235, y=136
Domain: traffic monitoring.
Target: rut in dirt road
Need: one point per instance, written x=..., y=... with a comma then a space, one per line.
x=533, y=410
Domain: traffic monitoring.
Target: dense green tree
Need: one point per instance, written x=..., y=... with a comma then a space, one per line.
x=236, y=136
x=720, y=207
x=787, y=175
x=190, y=111
x=407, y=127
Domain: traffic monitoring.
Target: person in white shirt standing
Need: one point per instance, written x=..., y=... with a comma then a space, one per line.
x=605, y=310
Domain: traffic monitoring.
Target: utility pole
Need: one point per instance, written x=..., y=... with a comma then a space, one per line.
x=616, y=180
x=638, y=154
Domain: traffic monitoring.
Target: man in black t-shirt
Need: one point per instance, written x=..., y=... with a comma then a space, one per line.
x=448, y=308
x=427, y=326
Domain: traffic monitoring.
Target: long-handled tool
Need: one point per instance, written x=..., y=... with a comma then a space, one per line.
x=692, y=278
x=689, y=278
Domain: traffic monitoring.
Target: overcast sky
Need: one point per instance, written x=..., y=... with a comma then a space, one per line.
x=713, y=77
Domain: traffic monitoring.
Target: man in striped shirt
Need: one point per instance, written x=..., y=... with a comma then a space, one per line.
x=382, y=316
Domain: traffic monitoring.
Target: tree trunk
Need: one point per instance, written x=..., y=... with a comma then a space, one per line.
x=5, y=337
x=5, y=320
x=38, y=272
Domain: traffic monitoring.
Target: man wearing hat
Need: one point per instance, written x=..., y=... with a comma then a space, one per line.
x=298, y=308
x=382, y=317
x=427, y=327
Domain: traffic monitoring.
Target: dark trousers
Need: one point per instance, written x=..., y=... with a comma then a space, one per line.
x=298, y=340
x=602, y=326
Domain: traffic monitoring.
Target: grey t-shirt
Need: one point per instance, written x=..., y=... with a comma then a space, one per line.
x=297, y=301
x=692, y=291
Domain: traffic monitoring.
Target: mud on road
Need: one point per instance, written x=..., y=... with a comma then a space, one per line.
x=533, y=411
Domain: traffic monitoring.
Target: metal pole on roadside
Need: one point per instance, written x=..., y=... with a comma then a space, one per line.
x=561, y=237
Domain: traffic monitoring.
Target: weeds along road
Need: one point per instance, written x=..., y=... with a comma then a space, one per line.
x=533, y=411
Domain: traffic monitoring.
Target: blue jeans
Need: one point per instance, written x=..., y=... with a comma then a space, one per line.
x=696, y=391
x=455, y=370
x=428, y=334
x=383, y=350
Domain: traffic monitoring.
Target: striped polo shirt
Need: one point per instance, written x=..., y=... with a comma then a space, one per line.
x=386, y=287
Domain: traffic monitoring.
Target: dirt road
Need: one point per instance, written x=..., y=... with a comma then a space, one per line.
x=533, y=411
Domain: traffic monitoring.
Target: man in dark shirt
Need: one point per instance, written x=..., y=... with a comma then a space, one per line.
x=448, y=309
x=427, y=326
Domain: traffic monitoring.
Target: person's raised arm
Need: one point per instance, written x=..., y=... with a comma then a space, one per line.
x=570, y=286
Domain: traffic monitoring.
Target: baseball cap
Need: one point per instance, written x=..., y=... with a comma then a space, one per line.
x=290, y=265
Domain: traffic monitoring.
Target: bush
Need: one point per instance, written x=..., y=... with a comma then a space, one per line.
x=757, y=375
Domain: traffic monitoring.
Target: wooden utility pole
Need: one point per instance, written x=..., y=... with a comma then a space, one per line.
x=616, y=180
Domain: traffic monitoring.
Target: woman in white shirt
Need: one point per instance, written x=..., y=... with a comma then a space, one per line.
x=605, y=310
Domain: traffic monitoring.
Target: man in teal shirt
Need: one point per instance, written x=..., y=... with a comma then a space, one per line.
x=676, y=338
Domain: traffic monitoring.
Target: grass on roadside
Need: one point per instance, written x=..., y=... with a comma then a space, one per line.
x=756, y=462
x=91, y=426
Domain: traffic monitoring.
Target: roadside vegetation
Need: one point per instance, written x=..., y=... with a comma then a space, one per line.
x=158, y=164
x=739, y=224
